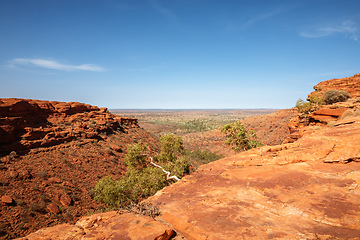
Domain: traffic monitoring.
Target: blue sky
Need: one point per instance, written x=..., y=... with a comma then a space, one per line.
x=176, y=54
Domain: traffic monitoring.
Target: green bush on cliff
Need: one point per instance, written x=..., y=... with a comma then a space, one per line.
x=143, y=179
x=303, y=107
x=334, y=96
x=239, y=137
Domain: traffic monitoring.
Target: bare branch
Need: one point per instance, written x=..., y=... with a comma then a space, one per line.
x=167, y=172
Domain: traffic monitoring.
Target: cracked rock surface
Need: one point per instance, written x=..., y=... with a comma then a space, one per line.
x=308, y=189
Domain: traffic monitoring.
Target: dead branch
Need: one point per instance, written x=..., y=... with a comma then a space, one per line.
x=167, y=172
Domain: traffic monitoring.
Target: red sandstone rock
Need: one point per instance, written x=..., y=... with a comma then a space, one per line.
x=53, y=208
x=69, y=184
x=6, y=199
x=54, y=180
x=330, y=112
x=116, y=148
x=110, y=225
x=348, y=84
x=58, y=232
x=65, y=200
x=27, y=124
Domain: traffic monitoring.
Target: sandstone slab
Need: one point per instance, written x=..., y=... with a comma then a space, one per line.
x=337, y=112
x=291, y=191
x=110, y=225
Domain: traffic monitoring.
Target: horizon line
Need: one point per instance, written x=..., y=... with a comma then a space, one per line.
x=188, y=109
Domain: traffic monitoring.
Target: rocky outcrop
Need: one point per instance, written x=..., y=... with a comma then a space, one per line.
x=308, y=189
x=27, y=124
x=348, y=84
x=322, y=115
x=110, y=225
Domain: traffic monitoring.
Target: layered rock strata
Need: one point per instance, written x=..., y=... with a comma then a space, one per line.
x=27, y=124
x=348, y=84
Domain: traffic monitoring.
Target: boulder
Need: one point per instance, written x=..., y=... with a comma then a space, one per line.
x=54, y=180
x=65, y=200
x=6, y=199
x=53, y=208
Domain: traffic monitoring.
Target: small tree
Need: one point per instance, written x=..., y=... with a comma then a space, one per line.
x=135, y=158
x=303, y=107
x=143, y=178
x=171, y=146
x=239, y=137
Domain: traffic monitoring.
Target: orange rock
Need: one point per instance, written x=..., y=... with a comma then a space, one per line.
x=20, y=129
x=330, y=112
x=59, y=232
x=53, y=208
x=348, y=84
x=6, y=199
x=65, y=200
x=109, y=225
x=116, y=148
x=69, y=184
x=323, y=119
x=54, y=180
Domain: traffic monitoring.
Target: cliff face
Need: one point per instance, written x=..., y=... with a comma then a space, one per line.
x=348, y=84
x=27, y=124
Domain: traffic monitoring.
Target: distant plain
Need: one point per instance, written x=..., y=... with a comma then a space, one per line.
x=182, y=121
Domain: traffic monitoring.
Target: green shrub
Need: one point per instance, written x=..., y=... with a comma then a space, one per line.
x=143, y=179
x=316, y=99
x=136, y=157
x=334, y=96
x=239, y=137
x=171, y=146
x=132, y=188
x=303, y=107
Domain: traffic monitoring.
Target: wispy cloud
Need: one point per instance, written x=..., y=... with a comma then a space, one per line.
x=54, y=65
x=264, y=16
x=162, y=10
x=348, y=28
